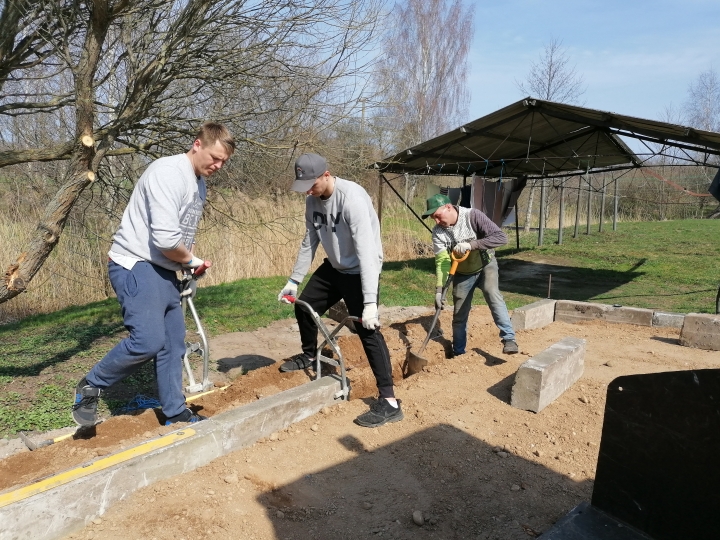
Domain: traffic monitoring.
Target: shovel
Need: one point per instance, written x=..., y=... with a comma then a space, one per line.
x=415, y=361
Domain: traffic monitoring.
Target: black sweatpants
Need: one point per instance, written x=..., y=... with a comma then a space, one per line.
x=324, y=289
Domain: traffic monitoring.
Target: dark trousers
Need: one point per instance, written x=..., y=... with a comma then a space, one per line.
x=324, y=289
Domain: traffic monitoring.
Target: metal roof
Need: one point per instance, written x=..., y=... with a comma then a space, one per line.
x=534, y=137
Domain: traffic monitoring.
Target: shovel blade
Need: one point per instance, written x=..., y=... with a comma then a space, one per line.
x=415, y=363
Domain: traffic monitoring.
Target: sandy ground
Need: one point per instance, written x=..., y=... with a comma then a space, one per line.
x=463, y=462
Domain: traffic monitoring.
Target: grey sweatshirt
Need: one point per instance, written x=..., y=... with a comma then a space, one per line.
x=348, y=227
x=164, y=211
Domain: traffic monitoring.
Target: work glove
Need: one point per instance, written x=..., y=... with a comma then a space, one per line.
x=290, y=289
x=370, y=316
x=190, y=289
x=461, y=248
x=195, y=262
x=439, y=300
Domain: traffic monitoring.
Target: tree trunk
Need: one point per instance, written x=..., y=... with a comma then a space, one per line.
x=83, y=162
x=47, y=235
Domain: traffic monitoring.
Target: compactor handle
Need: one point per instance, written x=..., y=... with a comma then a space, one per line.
x=200, y=270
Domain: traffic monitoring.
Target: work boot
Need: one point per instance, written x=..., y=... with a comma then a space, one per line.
x=380, y=413
x=510, y=347
x=297, y=362
x=186, y=416
x=84, y=410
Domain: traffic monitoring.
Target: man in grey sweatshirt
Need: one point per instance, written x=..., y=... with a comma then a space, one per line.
x=340, y=215
x=154, y=241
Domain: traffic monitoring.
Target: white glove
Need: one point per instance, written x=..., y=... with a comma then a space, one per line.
x=290, y=289
x=370, y=317
x=195, y=262
x=439, y=301
x=461, y=248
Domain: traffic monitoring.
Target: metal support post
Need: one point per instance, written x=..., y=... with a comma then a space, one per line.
x=602, y=207
x=561, y=219
x=541, y=224
x=577, y=207
x=589, y=207
x=615, y=207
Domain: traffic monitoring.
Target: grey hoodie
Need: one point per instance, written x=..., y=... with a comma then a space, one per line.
x=348, y=227
x=164, y=211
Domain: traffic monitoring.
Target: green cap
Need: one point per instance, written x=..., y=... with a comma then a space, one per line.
x=435, y=202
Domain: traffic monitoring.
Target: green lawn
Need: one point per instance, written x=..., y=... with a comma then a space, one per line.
x=672, y=266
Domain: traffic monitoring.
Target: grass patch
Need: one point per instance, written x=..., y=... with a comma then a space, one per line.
x=670, y=266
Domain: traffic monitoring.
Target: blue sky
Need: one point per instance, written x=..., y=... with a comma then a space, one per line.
x=636, y=57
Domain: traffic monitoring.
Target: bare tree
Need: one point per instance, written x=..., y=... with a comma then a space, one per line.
x=551, y=78
x=702, y=111
x=702, y=108
x=111, y=78
x=421, y=76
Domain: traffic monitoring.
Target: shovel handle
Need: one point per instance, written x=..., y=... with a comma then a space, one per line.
x=457, y=260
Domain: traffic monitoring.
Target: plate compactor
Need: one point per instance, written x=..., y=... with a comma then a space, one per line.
x=329, y=339
x=188, y=290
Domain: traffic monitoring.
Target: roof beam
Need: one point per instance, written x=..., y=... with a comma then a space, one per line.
x=702, y=150
x=612, y=121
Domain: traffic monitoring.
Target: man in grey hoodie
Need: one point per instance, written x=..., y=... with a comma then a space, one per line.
x=154, y=241
x=340, y=215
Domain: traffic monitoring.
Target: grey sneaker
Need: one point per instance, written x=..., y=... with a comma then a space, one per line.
x=380, y=413
x=510, y=347
x=297, y=362
x=84, y=410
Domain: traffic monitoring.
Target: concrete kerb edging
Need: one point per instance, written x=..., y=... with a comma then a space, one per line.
x=573, y=311
x=701, y=331
x=544, y=377
x=535, y=315
x=62, y=510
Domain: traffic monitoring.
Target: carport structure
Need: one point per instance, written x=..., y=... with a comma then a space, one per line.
x=535, y=140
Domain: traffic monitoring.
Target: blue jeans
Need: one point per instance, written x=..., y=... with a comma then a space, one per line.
x=463, y=288
x=150, y=303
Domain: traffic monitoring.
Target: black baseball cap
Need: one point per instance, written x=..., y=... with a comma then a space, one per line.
x=308, y=168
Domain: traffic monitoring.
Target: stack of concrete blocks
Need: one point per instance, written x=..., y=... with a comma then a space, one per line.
x=701, y=331
x=545, y=376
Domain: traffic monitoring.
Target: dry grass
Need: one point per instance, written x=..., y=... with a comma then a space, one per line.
x=244, y=238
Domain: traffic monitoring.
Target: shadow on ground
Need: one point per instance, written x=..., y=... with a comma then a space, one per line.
x=462, y=486
x=531, y=278
x=246, y=362
x=566, y=282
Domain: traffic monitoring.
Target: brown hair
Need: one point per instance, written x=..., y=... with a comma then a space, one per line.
x=210, y=132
